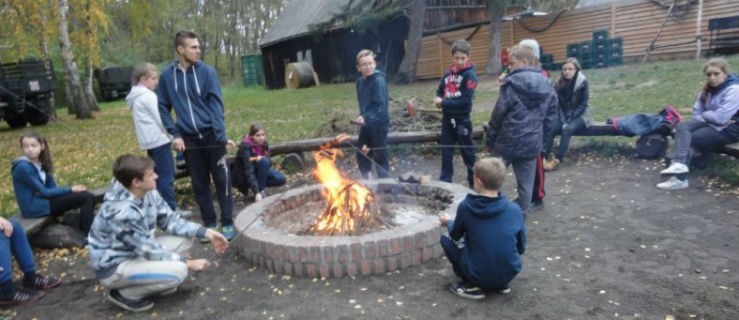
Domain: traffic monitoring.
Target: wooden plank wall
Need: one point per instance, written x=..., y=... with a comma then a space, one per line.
x=636, y=21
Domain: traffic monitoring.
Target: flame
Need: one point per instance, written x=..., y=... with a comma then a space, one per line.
x=347, y=202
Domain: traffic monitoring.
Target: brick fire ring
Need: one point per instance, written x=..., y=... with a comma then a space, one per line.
x=338, y=256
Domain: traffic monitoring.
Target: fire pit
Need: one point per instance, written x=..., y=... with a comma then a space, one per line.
x=276, y=232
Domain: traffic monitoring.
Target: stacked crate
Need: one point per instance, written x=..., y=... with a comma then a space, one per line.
x=600, y=52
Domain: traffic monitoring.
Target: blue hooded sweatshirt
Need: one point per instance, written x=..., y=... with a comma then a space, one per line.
x=373, y=99
x=457, y=90
x=31, y=192
x=495, y=237
x=195, y=95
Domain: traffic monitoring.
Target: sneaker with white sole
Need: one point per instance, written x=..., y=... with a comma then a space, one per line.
x=675, y=168
x=673, y=184
x=505, y=291
x=129, y=304
x=468, y=291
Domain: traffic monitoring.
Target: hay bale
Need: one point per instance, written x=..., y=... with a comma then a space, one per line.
x=300, y=75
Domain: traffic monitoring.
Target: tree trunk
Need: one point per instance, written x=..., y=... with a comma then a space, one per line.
x=496, y=9
x=76, y=95
x=44, y=44
x=89, y=93
x=407, y=70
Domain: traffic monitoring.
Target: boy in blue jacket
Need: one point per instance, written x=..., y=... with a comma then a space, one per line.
x=373, y=116
x=454, y=97
x=487, y=236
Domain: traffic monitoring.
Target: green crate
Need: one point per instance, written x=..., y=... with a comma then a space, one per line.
x=617, y=43
x=546, y=58
x=251, y=68
x=573, y=49
x=600, y=35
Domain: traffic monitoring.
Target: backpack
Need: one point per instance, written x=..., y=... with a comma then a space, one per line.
x=646, y=124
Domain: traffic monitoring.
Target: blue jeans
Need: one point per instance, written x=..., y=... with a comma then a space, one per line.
x=266, y=176
x=17, y=244
x=164, y=168
x=454, y=255
x=574, y=126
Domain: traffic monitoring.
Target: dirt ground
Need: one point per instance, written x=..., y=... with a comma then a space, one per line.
x=607, y=245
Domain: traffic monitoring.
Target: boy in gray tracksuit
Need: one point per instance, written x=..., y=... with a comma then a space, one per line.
x=125, y=254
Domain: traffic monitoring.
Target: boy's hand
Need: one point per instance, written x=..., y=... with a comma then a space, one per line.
x=360, y=120
x=437, y=102
x=443, y=219
x=230, y=144
x=198, y=264
x=219, y=242
x=6, y=227
x=178, y=144
x=258, y=197
x=79, y=188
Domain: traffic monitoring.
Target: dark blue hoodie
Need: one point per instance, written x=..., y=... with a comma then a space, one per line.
x=457, y=89
x=373, y=99
x=195, y=94
x=495, y=237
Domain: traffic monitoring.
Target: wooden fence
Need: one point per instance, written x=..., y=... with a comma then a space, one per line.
x=636, y=21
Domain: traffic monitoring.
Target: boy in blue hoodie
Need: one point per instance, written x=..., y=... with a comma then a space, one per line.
x=454, y=97
x=487, y=236
x=373, y=116
x=192, y=88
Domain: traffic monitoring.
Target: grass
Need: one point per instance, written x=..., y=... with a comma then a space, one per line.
x=84, y=150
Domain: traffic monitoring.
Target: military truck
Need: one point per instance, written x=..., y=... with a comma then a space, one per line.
x=114, y=81
x=26, y=87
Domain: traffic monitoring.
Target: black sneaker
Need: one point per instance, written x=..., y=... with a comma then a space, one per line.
x=131, y=305
x=467, y=291
x=41, y=283
x=21, y=297
x=536, y=205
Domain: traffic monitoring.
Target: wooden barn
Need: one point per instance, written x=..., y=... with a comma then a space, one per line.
x=669, y=29
x=332, y=52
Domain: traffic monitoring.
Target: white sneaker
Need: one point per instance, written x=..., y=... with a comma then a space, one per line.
x=183, y=213
x=673, y=184
x=675, y=168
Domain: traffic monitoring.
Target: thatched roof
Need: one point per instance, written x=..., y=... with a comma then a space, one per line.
x=298, y=15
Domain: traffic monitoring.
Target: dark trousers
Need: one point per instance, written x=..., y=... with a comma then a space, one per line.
x=573, y=127
x=17, y=245
x=454, y=255
x=266, y=176
x=699, y=136
x=207, y=158
x=82, y=200
x=376, y=139
x=164, y=168
x=456, y=131
x=525, y=172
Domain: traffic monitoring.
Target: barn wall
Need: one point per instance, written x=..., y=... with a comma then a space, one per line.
x=636, y=21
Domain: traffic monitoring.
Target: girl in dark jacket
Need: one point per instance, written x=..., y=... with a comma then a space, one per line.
x=253, y=167
x=35, y=188
x=573, y=111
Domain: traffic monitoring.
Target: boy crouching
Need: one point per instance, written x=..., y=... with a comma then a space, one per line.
x=487, y=236
x=125, y=255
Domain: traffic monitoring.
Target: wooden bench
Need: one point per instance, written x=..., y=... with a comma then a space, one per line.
x=33, y=225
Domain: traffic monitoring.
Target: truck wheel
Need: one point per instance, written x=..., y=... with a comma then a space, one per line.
x=39, y=115
x=15, y=120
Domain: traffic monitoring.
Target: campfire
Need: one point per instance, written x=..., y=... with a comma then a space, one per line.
x=350, y=206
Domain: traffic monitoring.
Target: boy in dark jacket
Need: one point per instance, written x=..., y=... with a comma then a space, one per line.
x=373, y=116
x=486, y=237
x=454, y=97
x=526, y=108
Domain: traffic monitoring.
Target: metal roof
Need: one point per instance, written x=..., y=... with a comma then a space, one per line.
x=298, y=15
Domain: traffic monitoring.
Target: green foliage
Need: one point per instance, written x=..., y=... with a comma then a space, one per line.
x=84, y=150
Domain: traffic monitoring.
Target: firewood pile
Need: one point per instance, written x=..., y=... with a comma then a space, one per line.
x=413, y=114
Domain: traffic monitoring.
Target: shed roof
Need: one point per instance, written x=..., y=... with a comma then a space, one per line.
x=298, y=15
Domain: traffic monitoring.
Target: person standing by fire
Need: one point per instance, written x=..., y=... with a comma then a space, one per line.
x=373, y=116
x=454, y=97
